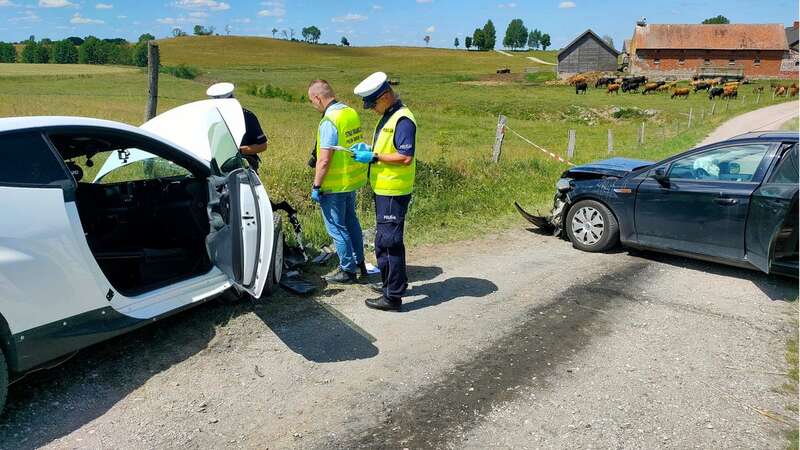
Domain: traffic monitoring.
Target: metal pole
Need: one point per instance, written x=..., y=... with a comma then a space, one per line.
x=713, y=107
x=571, y=145
x=498, y=138
x=758, y=98
x=690, y=118
x=152, y=76
x=610, y=141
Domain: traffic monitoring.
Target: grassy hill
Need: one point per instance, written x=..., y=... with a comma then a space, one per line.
x=455, y=95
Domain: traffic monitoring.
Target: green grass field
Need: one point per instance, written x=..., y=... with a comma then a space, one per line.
x=59, y=70
x=455, y=95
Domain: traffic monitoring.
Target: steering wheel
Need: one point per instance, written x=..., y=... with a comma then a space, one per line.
x=701, y=173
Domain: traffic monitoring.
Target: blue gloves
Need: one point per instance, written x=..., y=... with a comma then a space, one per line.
x=315, y=194
x=362, y=153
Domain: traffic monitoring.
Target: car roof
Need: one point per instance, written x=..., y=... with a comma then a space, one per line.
x=768, y=135
x=23, y=123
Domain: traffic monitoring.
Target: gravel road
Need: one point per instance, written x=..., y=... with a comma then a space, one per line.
x=764, y=119
x=514, y=340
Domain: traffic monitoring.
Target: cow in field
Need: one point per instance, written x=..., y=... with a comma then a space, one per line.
x=613, y=87
x=758, y=90
x=665, y=87
x=604, y=81
x=649, y=87
x=730, y=92
x=793, y=90
x=581, y=87
x=681, y=92
x=701, y=86
x=780, y=91
x=715, y=92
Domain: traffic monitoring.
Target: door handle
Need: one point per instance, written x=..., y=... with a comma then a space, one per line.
x=725, y=201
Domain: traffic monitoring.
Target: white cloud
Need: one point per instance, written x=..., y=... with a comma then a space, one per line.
x=122, y=17
x=424, y=1
x=104, y=6
x=377, y=7
x=198, y=14
x=566, y=5
x=77, y=19
x=6, y=3
x=212, y=5
x=55, y=3
x=27, y=16
x=430, y=29
x=273, y=9
x=172, y=20
x=507, y=5
x=350, y=17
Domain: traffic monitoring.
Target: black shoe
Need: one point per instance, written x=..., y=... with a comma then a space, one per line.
x=383, y=304
x=362, y=268
x=341, y=277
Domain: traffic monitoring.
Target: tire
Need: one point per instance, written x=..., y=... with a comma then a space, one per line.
x=592, y=227
x=3, y=381
x=276, y=264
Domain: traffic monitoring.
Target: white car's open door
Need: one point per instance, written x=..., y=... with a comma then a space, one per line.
x=240, y=212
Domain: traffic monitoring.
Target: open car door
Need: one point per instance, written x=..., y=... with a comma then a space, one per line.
x=239, y=210
x=772, y=223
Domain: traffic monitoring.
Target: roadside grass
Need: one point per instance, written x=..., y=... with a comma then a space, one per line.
x=61, y=70
x=459, y=192
x=791, y=388
x=791, y=125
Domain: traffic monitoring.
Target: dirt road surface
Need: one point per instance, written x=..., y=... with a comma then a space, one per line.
x=764, y=119
x=510, y=341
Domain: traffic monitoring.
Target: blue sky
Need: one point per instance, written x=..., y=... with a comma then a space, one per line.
x=371, y=22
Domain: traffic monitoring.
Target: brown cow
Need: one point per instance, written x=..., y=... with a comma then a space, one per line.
x=758, y=90
x=613, y=87
x=681, y=92
x=665, y=87
x=780, y=91
x=730, y=92
x=793, y=90
x=650, y=87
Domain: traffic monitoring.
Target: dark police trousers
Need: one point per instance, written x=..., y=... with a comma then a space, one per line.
x=390, y=215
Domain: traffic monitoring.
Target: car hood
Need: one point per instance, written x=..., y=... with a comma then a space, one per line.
x=614, y=166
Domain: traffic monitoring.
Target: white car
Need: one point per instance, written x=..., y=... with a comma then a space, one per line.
x=105, y=227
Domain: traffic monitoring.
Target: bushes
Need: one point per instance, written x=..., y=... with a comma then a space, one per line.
x=270, y=91
x=8, y=54
x=181, y=71
x=140, y=54
x=34, y=53
x=64, y=52
x=93, y=51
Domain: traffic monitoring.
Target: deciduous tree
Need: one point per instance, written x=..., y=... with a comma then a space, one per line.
x=718, y=20
x=545, y=41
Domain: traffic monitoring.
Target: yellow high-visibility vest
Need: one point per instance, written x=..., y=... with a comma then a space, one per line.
x=344, y=174
x=391, y=179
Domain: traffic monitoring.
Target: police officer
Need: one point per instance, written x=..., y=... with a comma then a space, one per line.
x=391, y=175
x=254, y=140
x=337, y=178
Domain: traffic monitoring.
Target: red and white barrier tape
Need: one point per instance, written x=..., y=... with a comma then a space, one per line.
x=548, y=152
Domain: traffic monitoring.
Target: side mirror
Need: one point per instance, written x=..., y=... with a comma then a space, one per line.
x=660, y=175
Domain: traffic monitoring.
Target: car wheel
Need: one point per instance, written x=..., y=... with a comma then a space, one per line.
x=592, y=227
x=3, y=381
x=276, y=267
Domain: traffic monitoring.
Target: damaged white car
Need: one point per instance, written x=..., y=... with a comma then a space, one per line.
x=106, y=227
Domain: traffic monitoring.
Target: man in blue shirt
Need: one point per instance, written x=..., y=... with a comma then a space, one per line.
x=337, y=178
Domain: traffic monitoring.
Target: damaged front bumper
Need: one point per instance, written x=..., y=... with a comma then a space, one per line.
x=552, y=223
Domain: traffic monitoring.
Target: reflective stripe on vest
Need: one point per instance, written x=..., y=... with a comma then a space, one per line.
x=391, y=179
x=344, y=174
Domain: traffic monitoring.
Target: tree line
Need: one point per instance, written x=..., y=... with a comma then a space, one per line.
x=517, y=37
x=76, y=50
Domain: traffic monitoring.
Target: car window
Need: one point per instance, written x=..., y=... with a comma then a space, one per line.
x=787, y=169
x=734, y=163
x=25, y=158
x=136, y=165
x=224, y=151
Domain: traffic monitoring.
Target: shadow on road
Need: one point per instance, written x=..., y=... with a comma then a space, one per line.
x=450, y=289
x=777, y=288
x=316, y=331
x=47, y=405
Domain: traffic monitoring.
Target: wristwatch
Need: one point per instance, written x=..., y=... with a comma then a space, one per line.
x=375, y=158
x=315, y=187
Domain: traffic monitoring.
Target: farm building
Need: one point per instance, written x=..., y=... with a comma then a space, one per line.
x=754, y=50
x=792, y=36
x=587, y=53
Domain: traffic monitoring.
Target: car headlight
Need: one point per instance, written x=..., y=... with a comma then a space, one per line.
x=562, y=185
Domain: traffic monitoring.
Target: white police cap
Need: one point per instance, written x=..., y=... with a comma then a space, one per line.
x=220, y=90
x=372, y=88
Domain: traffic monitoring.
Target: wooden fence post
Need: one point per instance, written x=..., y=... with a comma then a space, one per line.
x=713, y=107
x=690, y=118
x=758, y=98
x=610, y=142
x=571, y=145
x=727, y=104
x=152, y=76
x=640, y=135
x=498, y=138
